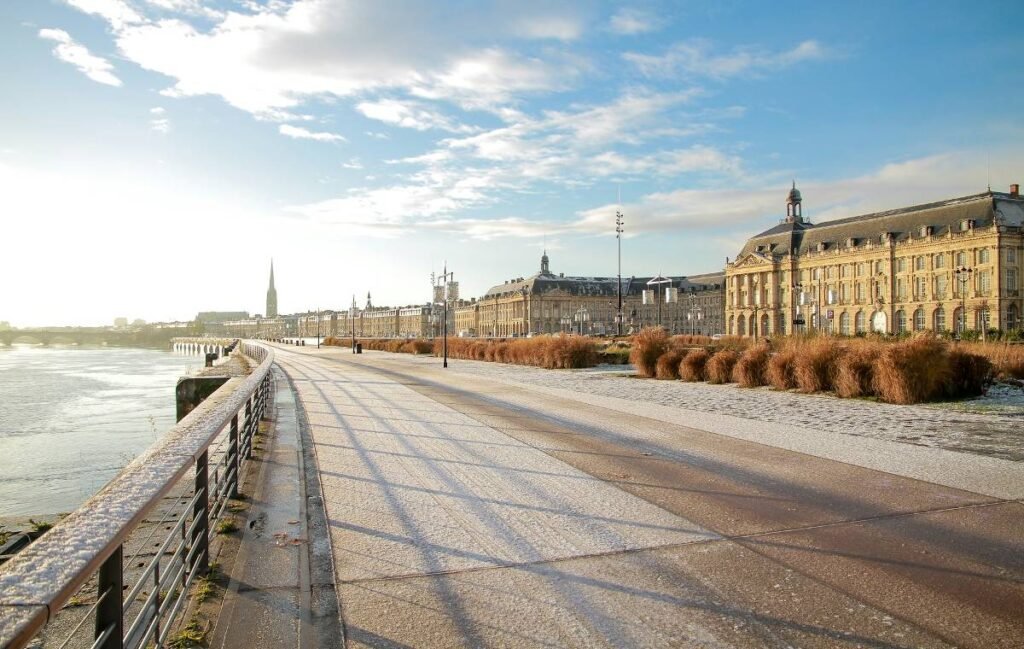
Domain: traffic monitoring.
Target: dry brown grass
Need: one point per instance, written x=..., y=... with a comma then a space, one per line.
x=912, y=371
x=780, y=370
x=814, y=366
x=1007, y=359
x=551, y=352
x=687, y=340
x=692, y=368
x=855, y=371
x=719, y=367
x=751, y=368
x=648, y=346
x=668, y=364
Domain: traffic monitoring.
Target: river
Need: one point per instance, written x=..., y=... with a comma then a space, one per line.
x=71, y=418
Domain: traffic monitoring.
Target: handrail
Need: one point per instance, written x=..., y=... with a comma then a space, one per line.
x=36, y=583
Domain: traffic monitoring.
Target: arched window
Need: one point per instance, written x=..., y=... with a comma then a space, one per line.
x=958, y=319
x=753, y=326
x=1012, y=318
x=901, y=321
x=860, y=323
x=780, y=328
x=940, y=319
x=765, y=327
x=981, y=320
x=741, y=329
x=919, y=320
x=844, y=324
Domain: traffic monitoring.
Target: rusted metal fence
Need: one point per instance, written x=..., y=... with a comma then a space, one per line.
x=213, y=441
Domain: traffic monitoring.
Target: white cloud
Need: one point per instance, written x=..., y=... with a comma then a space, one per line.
x=95, y=67
x=300, y=133
x=757, y=208
x=562, y=28
x=629, y=22
x=354, y=163
x=695, y=58
x=409, y=114
x=116, y=12
x=161, y=125
x=157, y=110
x=271, y=59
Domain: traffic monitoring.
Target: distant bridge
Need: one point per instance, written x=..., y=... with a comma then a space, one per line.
x=144, y=337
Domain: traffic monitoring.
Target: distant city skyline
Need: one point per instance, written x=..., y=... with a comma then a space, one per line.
x=156, y=154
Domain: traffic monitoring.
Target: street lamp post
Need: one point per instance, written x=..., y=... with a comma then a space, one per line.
x=445, y=278
x=659, y=281
x=352, y=317
x=963, y=275
x=619, y=219
x=582, y=315
x=797, y=314
x=318, y=327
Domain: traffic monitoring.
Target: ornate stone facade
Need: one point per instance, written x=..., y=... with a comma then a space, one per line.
x=547, y=303
x=908, y=269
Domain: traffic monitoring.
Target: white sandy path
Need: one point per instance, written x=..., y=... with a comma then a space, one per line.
x=414, y=487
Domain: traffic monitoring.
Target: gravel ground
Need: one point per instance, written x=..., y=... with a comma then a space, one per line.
x=990, y=426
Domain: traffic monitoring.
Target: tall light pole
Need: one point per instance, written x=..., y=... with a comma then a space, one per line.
x=352, y=317
x=318, y=327
x=657, y=282
x=443, y=294
x=619, y=220
x=963, y=275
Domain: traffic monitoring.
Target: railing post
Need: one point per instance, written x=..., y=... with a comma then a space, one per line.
x=250, y=426
x=109, y=618
x=201, y=512
x=233, y=460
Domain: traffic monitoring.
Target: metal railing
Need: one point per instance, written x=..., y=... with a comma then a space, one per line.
x=214, y=440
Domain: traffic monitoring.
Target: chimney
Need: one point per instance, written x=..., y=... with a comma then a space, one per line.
x=1014, y=190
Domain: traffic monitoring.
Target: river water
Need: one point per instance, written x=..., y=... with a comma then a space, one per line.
x=71, y=418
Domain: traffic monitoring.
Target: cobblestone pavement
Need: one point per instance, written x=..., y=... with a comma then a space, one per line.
x=997, y=434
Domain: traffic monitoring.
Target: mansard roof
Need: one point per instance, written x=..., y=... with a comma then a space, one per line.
x=541, y=284
x=901, y=224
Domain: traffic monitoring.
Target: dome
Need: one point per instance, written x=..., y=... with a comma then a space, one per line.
x=794, y=194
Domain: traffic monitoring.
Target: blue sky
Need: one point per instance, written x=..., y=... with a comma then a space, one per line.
x=155, y=154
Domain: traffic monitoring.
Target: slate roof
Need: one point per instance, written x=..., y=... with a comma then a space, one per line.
x=902, y=224
x=540, y=284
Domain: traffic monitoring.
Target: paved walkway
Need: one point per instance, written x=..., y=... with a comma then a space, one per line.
x=468, y=512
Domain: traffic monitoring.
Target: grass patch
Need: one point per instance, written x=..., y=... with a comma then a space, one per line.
x=226, y=526
x=40, y=527
x=191, y=635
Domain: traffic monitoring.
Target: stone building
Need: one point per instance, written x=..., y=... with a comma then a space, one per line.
x=953, y=264
x=547, y=303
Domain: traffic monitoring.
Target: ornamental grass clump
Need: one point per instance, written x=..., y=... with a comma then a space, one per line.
x=692, y=368
x=969, y=374
x=667, y=366
x=814, y=367
x=913, y=371
x=751, y=368
x=855, y=371
x=719, y=367
x=779, y=373
x=648, y=345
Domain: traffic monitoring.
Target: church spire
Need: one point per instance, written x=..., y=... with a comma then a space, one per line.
x=271, y=294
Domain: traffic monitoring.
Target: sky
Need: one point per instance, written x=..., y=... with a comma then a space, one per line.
x=155, y=155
